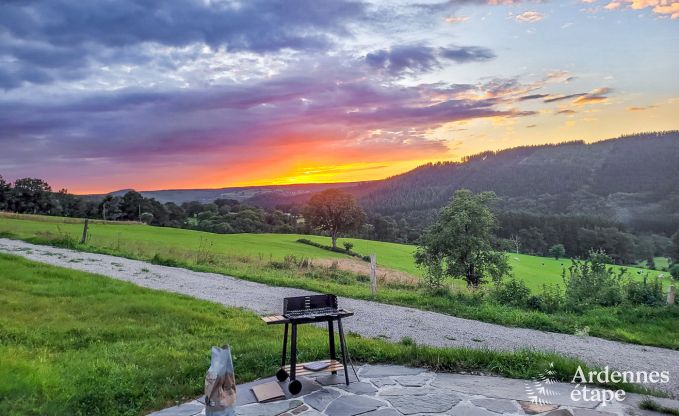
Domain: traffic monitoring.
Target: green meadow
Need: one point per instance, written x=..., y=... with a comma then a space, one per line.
x=74, y=343
x=278, y=259
x=534, y=270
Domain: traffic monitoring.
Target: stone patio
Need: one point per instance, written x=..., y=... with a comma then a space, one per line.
x=397, y=391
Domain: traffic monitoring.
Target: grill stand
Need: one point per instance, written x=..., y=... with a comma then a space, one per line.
x=295, y=385
x=295, y=369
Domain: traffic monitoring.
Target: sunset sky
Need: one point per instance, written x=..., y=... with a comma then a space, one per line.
x=99, y=96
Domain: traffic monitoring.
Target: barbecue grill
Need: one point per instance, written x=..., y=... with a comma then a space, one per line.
x=299, y=310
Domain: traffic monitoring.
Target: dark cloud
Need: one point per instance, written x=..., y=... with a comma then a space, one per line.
x=566, y=112
x=582, y=98
x=462, y=54
x=533, y=97
x=68, y=34
x=556, y=98
x=255, y=25
x=419, y=58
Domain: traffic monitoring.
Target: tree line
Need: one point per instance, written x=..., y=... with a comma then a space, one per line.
x=523, y=232
x=35, y=196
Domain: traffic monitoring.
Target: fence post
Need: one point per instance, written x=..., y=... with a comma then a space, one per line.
x=671, y=293
x=84, y=238
x=373, y=274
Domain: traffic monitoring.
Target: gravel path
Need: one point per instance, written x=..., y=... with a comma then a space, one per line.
x=372, y=319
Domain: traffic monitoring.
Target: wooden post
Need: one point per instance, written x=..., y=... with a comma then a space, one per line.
x=373, y=274
x=84, y=238
x=671, y=293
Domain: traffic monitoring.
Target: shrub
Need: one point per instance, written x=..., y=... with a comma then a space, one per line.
x=557, y=251
x=408, y=341
x=512, y=292
x=348, y=246
x=157, y=259
x=645, y=293
x=434, y=276
x=534, y=302
x=146, y=217
x=590, y=282
x=551, y=297
x=674, y=271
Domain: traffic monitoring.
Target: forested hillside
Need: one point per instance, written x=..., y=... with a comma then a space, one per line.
x=629, y=179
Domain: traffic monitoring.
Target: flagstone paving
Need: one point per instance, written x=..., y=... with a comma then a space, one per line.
x=384, y=390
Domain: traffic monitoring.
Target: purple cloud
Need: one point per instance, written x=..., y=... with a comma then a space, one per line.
x=419, y=58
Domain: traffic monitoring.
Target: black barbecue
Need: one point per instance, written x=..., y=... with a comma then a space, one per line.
x=304, y=310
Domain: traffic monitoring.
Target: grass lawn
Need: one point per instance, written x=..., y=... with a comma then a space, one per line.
x=253, y=257
x=74, y=343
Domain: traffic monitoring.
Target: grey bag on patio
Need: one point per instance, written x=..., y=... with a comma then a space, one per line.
x=220, y=384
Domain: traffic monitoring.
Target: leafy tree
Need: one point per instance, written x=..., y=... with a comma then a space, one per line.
x=111, y=208
x=175, y=214
x=459, y=243
x=32, y=196
x=131, y=205
x=5, y=193
x=557, y=251
x=334, y=212
x=674, y=251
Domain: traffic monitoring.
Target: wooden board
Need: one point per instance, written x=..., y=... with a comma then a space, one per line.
x=274, y=319
x=301, y=371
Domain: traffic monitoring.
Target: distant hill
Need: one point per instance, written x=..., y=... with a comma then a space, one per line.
x=240, y=194
x=633, y=180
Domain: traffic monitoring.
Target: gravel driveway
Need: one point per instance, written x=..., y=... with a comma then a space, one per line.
x=372, y=319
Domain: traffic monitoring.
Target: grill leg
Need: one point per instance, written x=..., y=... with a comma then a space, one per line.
x=343, y=346
x=285, y=345
x=293, y=352
x=331, y=342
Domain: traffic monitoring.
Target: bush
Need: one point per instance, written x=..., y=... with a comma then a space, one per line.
x=348, y=246
x=551, y=297
x=674, y=271
x=163, y=261
x=645, y=293
x=590, y=282
x=512, y=292
x=434, y=276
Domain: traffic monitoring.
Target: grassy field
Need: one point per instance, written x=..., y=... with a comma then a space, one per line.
x=74, y=343
x=534, y=270
x=259, y=257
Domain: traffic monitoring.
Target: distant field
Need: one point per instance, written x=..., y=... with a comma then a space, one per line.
x=535, y=271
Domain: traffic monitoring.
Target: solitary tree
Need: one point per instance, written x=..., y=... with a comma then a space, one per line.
x=459, y=243
x=335, y=212
x=557, y=251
